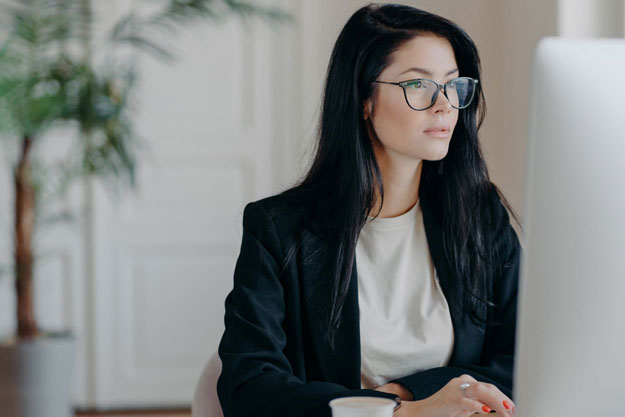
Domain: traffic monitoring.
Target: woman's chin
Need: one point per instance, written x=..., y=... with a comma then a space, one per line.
x=432, y=152
x=436, y=153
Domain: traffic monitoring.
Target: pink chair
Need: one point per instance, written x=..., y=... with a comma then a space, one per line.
x=205, y=400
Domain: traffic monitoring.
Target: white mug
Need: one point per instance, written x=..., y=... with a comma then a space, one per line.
x=362, y=407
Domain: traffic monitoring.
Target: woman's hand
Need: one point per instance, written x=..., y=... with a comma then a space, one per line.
x=450, y=401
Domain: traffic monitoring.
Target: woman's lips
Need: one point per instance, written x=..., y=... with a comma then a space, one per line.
x=437, y=133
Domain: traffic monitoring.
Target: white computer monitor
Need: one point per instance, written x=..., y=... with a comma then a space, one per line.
x=571, y=328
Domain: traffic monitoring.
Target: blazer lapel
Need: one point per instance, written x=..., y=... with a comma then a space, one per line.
x=345, y=360
x=466, y=333
x=341, y=365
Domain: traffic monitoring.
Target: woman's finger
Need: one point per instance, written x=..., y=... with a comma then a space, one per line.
x=493, y=398
x=474, y=406
x=505, y=397
x=506, y=402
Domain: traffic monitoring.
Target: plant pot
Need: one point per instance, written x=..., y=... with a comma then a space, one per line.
x=36, y=377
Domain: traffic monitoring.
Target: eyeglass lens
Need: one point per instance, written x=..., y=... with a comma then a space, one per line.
x=420, y=93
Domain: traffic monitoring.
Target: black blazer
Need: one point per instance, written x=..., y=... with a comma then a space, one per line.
x=274, y=359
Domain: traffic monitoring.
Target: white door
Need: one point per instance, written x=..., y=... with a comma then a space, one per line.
x=215, y=126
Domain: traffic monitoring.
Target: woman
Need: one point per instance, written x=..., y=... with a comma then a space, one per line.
x=391, y=269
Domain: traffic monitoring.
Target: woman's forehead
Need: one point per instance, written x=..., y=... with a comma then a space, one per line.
x=427, y=55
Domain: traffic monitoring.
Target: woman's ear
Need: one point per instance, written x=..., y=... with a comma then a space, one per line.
x=366, y=109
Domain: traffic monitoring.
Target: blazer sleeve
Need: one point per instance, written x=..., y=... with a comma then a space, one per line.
x=257, y=378
x=497, y=362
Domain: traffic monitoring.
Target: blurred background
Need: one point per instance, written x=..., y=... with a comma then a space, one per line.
x=139, y=275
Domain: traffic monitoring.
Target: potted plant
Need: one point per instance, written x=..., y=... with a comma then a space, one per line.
x=50, y=78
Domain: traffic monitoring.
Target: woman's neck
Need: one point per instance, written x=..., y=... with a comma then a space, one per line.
x=401, y=178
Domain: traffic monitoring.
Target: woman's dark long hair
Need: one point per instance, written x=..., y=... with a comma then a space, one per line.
x=344, y=175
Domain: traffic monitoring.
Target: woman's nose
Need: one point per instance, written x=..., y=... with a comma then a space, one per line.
x=441, y=103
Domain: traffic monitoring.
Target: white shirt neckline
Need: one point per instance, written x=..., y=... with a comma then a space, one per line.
x=392, y=223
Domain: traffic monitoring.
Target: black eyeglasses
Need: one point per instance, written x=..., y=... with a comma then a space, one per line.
x=421, y=93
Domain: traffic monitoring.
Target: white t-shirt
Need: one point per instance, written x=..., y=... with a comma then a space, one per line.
x=405, y=324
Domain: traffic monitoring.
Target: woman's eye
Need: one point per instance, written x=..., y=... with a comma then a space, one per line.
x=416, y=84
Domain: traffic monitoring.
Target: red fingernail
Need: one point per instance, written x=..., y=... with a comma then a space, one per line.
x=506, y=405
x=486, y=408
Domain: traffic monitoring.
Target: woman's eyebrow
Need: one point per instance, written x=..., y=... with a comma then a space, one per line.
x=426, y=72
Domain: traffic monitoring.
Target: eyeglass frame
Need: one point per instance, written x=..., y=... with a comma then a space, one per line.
x=403, y=84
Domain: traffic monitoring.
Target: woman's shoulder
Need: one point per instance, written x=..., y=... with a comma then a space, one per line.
x=286, y=210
